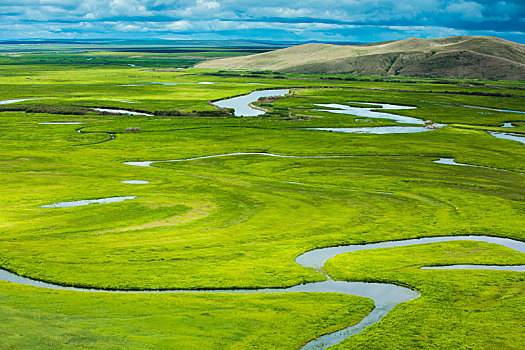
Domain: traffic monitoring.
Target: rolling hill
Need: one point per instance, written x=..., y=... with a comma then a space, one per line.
x=453, y=57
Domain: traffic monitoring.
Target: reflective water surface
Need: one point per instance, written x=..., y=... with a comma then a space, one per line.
x=87, y=202
x=5, y=102
x=241, y=104
x=385, y=295
x=121, y=111
x=379, y=130
x=148, y=163
x=507, y=136
x=371, y=112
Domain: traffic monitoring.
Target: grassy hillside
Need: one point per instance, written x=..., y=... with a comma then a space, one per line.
x=455, y=57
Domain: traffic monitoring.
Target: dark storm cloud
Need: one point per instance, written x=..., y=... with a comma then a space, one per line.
x=342, y=20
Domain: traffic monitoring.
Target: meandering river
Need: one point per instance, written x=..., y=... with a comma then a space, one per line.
x=241, y=104
x=385, y=295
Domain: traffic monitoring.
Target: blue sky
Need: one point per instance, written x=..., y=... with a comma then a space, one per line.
x=327, y=20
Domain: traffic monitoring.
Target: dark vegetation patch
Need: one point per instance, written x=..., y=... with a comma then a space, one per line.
x=44, y=108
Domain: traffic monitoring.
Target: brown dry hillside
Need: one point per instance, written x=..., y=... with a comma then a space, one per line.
x=454, y=57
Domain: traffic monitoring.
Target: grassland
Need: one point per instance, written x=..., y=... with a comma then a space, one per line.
x=470, y=303
x=239, y=221
x=157, y=54
x=51, y=319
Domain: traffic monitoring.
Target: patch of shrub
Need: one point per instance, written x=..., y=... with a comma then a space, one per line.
x=41, y=108
x=168, y=113
x=222, y=112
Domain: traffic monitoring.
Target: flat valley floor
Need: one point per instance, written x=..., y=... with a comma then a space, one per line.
x=230, y=202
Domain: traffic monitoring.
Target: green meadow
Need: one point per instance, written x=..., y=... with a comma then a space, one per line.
x=240, y=221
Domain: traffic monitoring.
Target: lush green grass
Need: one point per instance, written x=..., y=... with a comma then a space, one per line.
x=471, y=308
x=239, y=222
x=165, y=54
x=36, y=318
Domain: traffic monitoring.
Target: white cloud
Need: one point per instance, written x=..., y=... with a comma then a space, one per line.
x=468, y=10
x=122, y=27
x=179, y=25
x=127, y=8
x=210, y=5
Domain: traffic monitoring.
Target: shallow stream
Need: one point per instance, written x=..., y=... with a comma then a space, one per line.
x=120, y=111
x=370, y=112
x=241, y=104
x=385, y=295
x=378, y=130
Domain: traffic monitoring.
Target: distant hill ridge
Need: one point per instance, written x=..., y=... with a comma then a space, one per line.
x=477, y=57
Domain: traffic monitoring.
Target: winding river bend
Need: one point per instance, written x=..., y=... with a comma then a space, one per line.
x=241, y=104
x=370, y=112
x=385, y=295
x=147, y=163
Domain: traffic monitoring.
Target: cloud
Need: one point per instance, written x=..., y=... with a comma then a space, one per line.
x=127, y=8
x=346, y=20
x=179, y=25
x=467, y=10
x=122, y=27
x=210, y=5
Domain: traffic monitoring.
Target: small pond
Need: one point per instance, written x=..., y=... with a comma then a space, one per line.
x=121, y=111
x=87, y=202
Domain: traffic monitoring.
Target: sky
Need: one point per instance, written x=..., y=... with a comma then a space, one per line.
x=270, y=20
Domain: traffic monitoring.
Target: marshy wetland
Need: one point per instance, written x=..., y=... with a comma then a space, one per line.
x=200, y=228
